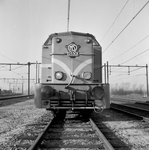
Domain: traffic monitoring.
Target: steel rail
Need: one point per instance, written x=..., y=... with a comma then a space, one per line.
x=132, y=114
x=11, y=97
x=142, y=103
x=38, y=140
x=132, y=107
x=126, y=99
x=141, y=109
x=101, y=137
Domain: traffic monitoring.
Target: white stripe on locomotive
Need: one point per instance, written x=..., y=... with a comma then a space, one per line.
x=67, y=70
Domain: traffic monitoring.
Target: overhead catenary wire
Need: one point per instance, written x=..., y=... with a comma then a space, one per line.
x=136, y=69
x=10, y=69
x=116, y=71
x=135, y=56
x=121, y=67
x=127, y=77
x=17, y=67
x=126, y=26
x=129, y=48
x=8, y=57
x=114, y=21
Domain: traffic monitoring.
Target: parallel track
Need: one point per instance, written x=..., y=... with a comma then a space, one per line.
x=140, y=113
x=14, y=96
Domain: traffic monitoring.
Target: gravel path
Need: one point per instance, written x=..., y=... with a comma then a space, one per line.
x=14, y=118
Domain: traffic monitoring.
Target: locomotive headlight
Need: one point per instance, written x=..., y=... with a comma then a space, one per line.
x=87, y=75
x=98, y=92
x=59, y=75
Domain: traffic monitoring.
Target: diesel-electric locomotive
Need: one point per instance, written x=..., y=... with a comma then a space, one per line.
x=71, y=75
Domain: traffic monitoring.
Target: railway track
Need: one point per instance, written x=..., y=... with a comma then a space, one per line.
x=14, y=96
x=71, y=131
x=132, y=109
x=4, y=101
x=67, y=131
x=143, y=104
x=141, y=100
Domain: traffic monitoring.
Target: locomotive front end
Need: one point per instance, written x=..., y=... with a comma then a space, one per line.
x=71, y=74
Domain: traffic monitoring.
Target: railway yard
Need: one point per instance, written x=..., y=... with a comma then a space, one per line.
x=74, y=75
x=23, y=127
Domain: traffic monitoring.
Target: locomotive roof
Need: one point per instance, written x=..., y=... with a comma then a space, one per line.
x=49, y=40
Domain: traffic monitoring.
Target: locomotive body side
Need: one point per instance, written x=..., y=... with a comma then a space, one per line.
x=71, y=73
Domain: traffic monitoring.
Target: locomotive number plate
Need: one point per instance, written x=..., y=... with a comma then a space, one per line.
x=73, y=50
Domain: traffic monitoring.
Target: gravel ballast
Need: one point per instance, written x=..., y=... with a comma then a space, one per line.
x=134, y=133
x=14, y=118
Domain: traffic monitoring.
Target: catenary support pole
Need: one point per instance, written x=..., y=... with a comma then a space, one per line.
x=29, y=78
x=22, y=84
x=147, y=92
x=105, y=72
x=36, y=71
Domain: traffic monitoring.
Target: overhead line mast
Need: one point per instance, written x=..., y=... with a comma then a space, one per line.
x=68, y=15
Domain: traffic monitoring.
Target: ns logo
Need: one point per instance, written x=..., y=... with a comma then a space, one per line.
x=73, y=50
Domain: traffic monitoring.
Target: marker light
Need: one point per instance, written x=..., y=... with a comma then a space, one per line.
x=87, y=75
x=47, y=92
x=88, y=41
x=98, y=92
x=59, y=75
x=58, y=40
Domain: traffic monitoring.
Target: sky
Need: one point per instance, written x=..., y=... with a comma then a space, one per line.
x=26, y=24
